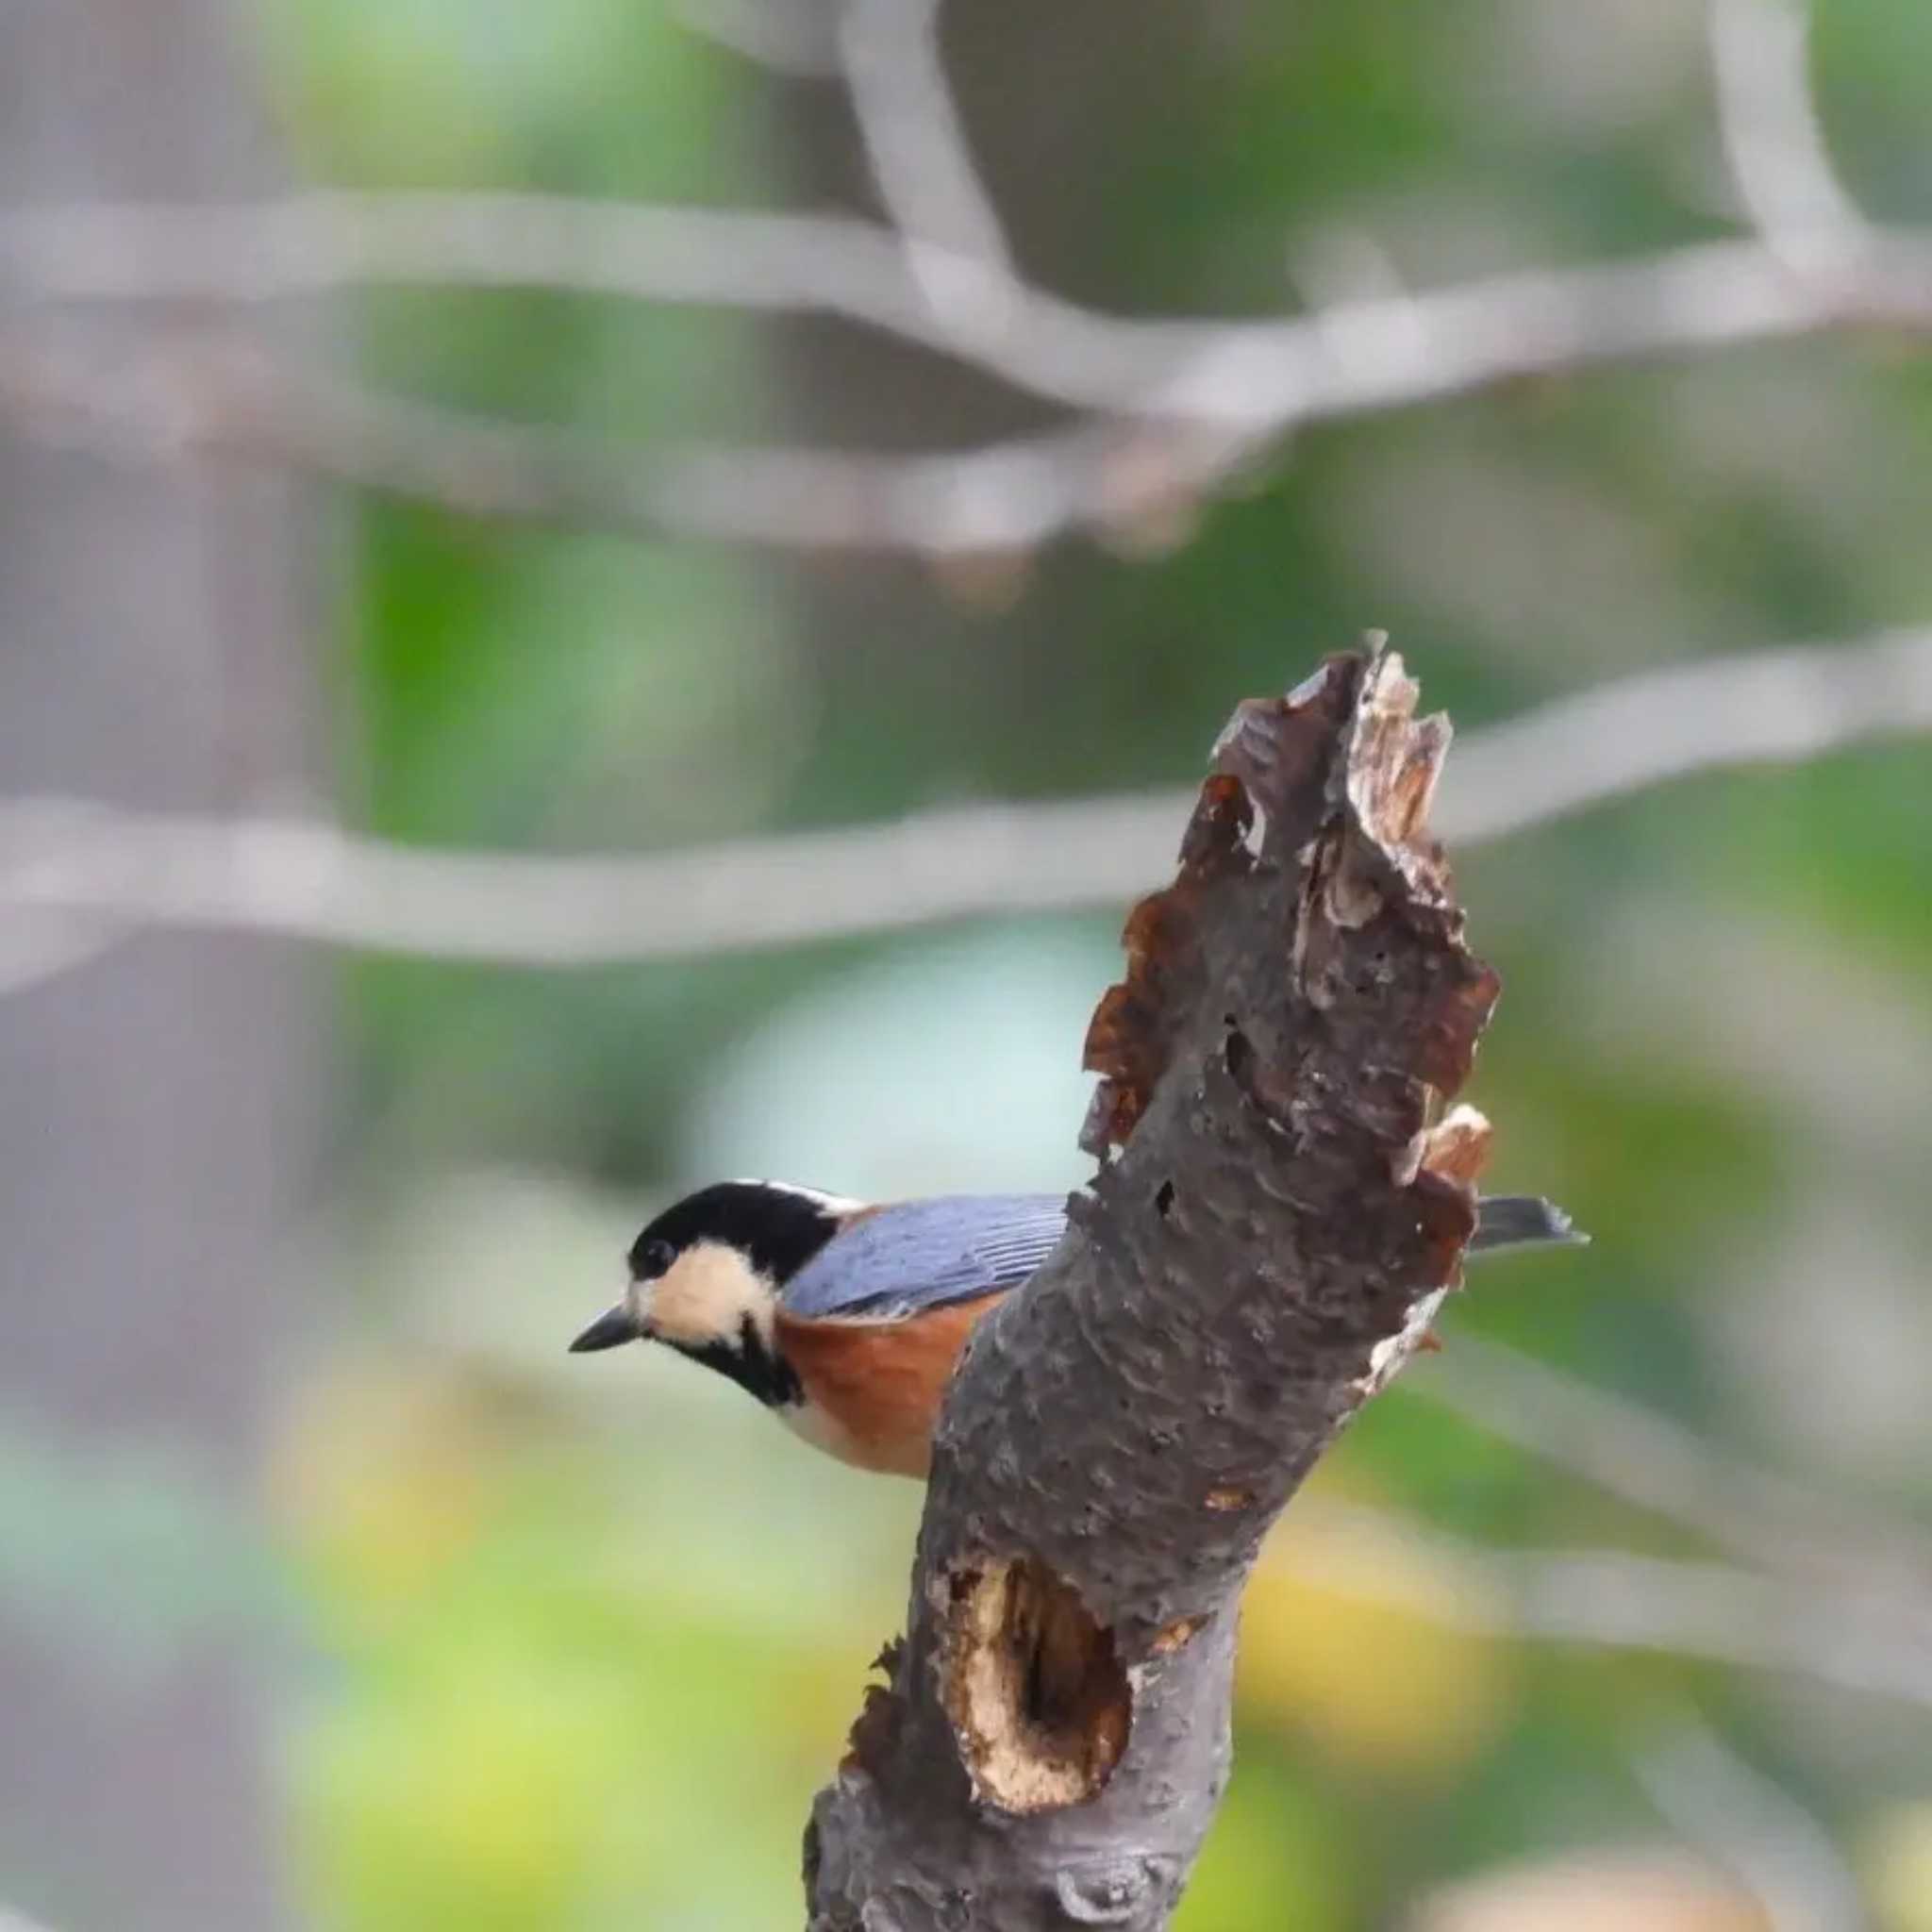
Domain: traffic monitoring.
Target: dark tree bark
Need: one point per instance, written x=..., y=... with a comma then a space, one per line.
x=154, y=1101
x=1269, y=1243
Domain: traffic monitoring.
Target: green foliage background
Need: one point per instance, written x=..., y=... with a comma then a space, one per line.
x=572, y=1645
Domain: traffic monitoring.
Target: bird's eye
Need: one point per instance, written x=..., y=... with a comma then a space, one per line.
x=650, y=1259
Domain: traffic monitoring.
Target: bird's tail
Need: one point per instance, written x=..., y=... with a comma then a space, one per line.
x=1516, y=1220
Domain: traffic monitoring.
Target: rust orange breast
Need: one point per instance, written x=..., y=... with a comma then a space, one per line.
x=876, y=1386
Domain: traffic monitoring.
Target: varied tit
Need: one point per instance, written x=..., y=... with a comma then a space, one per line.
x=845, y=1318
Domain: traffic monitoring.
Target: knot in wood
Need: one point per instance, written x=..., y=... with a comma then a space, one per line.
x=1113, y=1893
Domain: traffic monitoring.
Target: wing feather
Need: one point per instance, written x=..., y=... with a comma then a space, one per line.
x=918, y=1254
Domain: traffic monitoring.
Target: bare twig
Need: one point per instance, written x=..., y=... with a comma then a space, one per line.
x=314, y=881
x=922, y=164
x=216, y=393
x=1205, y=395
x=791, y=38
x=1774, y=142
x=1770, y=1520
x=1749, y=709
x=1753, y=1828
x=309, y=880
x=1617, y=1599
x=1528, y=323
x=724, y=258
x=37, y=947
x=1727, y=1615
x=1534, y=321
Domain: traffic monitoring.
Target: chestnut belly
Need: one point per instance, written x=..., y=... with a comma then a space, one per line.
x=872, y=1389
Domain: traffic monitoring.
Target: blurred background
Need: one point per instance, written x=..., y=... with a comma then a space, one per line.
x=362, y=558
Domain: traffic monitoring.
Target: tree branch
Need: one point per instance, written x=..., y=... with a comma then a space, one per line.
x=921, y=163
x=1176, y=406
x=759, y=261
x=1261, y=1255
x=1753, y=1828
x=798, y=42
x=1773, y=139
x=1769, y=1519
x=81, y=871
x=1621, y=1599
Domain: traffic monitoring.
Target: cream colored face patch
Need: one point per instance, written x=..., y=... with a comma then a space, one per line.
x=705, y=1296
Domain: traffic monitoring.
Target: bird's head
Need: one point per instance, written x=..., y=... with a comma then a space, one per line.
x=707, y=1274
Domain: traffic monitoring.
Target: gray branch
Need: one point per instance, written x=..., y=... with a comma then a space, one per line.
x=1267, y=1245
x=77, y=877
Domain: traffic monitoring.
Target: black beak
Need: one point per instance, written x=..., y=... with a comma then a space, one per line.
x=613, y=1327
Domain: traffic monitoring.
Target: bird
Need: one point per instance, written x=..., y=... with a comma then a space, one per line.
x=846, y=1318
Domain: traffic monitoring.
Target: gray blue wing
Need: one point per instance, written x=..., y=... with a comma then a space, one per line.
x=917, y=1255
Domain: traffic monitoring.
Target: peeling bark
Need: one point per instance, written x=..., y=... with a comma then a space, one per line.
x=1277, y=1214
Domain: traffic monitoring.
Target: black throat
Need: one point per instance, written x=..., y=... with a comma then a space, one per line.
x=760, y=1372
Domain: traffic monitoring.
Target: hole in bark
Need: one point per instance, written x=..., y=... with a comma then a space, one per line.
x=1038, y=1699
x=1163, y=1199
x=1240, y=1052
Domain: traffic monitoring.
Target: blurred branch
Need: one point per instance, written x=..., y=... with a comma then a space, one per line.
x=789, y=38
x=217, y=393
x=1203, y=397
x=1766, y=1520
x=36, y=947
x=1774, y=140
x=1725, y=1615
x=309, y=880
x=1755, y=707
x=1350, y=358
x=1616, y=1599
x=1753, y=1828
x=954, y=245
x=770, y=262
